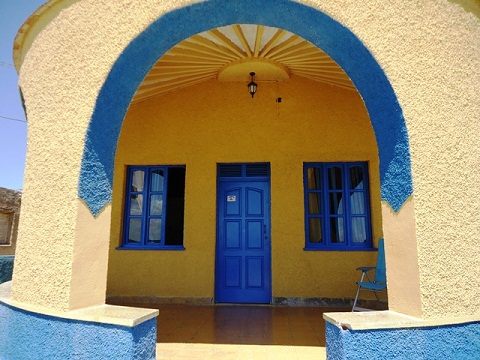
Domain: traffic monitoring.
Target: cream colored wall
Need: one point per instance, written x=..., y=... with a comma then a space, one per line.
x=220, y=123
x=402, y=259
x=89, y=272
x=429, y=52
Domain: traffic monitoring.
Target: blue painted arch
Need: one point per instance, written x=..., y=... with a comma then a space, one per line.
x=96, y=174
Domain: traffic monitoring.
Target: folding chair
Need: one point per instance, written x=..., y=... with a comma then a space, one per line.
x=379, y=283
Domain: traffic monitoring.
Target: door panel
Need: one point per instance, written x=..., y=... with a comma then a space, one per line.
x=233, y=235
x=233, y=272
x=254, y=270
x=243, y=263
x=254, y=235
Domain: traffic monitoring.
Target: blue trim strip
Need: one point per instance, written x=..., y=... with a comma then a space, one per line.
x=96, y=175
x=339, y=249
x=156, y=248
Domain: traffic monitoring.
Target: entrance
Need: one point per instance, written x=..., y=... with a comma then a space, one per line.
x=243, y=257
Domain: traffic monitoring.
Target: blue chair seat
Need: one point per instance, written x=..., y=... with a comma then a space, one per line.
x=372, y=286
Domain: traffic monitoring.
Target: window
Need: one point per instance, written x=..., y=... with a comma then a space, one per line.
x=337, y=209
x=154, y=207
x=5, y=226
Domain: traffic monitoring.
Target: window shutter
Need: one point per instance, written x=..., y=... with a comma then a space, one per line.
x=230, y=170
x=254, y=170
x=244, y=170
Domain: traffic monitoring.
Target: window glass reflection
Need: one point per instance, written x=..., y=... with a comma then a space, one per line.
x=356, y=177
x=134, y=230
x=136, y=204
x=138, y=178
x=314, y=178
x=357, y=203
x=156, y=204
x=336, y=203
x=156, y=180
x=315, y=203
x=336, y=230
x=315, y=230
x=155, y=231
x=359, y=230
x=335, y=178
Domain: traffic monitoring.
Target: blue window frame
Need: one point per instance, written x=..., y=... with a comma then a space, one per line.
x=337, y=206
x=154, y=208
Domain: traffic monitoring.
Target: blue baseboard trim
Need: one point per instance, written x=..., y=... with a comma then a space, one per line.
x=6, y=268
x=459, y=341
x=29, y=335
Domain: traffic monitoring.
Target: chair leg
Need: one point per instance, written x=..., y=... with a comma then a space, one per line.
x=356, y=299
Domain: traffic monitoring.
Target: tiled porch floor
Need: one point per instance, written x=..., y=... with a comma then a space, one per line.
x=241, y=332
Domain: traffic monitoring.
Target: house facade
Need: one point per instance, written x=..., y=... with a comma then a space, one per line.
x=231, y=158
x=165, y=180
x=9, y=216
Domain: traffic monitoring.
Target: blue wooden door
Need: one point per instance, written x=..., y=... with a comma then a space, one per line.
x=243, y=259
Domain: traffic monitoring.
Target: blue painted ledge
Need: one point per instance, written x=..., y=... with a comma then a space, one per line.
x=108, y=332
x=6, y=268
x=389, y=335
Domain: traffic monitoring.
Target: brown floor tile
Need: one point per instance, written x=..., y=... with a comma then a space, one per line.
x=241, y=332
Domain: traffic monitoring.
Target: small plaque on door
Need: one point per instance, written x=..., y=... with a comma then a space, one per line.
x=231, y=198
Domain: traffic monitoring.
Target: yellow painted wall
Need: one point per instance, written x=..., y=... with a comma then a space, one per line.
x=219, y=122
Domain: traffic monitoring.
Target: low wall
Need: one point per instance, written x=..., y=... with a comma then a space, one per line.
x=6, y=268
x=392, y=336
x=102, y=332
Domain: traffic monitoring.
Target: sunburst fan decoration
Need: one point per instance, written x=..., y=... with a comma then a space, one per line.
x=232, y=52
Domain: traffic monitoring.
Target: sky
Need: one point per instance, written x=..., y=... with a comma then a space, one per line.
x=13, y=128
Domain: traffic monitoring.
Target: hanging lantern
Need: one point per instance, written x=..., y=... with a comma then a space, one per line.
x=252, y=85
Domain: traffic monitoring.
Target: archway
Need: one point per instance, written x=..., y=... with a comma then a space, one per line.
x=95, y=183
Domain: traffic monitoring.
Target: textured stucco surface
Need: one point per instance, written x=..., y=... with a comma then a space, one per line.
x=332, y=126
x=43, y=267
x=428, y=51
x=441, y=342
x=83, y=280
x=27, y=335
